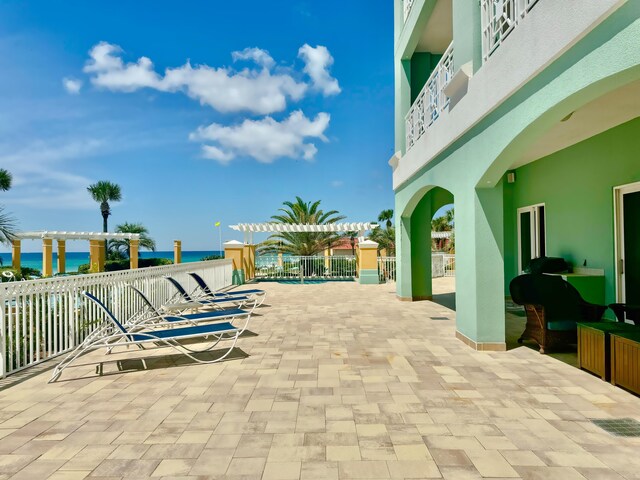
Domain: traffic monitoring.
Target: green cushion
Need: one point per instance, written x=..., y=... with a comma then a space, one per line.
x=561, y=325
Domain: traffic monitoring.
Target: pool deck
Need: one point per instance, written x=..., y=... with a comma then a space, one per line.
x=340, y=381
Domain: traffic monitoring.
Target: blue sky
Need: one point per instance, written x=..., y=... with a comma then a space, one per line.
x=194, y=132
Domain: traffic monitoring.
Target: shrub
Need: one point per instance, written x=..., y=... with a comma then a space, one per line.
x=211, y=257
x=25, y=273
x=117, y=265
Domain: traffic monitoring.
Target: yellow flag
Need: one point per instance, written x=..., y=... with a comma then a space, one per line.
x=217, y=224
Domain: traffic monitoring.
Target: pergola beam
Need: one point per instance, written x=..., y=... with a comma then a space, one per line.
x=56, y=235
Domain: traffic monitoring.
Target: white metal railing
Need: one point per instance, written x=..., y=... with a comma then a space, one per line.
x=406, y=6
x=431, y=101
x=40, y=319
x=387, y=269
x=449, y=265
x=286, y=266
x=499, y=18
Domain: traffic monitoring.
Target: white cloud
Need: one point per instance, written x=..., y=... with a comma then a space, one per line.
x=337, y=183
x=259, y=56
x=265, y=139
x=317, y=62
x=72, y=85
x=256, y=90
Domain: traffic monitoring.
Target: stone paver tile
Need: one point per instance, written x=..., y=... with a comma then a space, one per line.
x=282, y=471
x=412, y=452
x=296, y=454
x=38, y=469
x=413, y=469
x=129, y=452
x=450, y=457
x=491, y=442
x=212, y=462
x=10, y=464
x=572, y=459
x=194, y=437
x=371, y=430
x=491, y=464
x=69, y=475
x=173, y=468
x=319, y=471
x=523, y=458
x=337, y=453
x=363, y=469
x=89, y=457
x=246, y=466
x=122, y=468
x=546, y=473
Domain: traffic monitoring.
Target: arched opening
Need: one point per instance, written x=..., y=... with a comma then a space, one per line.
x=432, y=273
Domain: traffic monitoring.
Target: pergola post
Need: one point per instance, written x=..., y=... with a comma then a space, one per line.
x=327, y=260
x=93, y=255
x=234, y=251
x=249, y=259
x=15, y=254
x=177, y=251
x=102, y=253
x=62, y=256
x=368, y=264
x=134, y=246
x=47, y=257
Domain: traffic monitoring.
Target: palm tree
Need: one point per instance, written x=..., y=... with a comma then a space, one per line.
x=443, y=223
x=5, y=180
x=7, y=222
x=104, y=192
x=302, y=243
x=385, y=237
x=121, y=248
x=386, y=216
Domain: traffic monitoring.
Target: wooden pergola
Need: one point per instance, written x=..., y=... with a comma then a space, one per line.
x=96, y=240
x=250, y=228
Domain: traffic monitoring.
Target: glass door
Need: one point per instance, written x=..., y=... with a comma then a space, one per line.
x=531, y=235
x=628, y=243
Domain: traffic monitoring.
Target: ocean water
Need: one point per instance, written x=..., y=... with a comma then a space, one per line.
x=75, y=259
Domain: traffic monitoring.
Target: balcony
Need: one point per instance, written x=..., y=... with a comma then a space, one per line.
x=431, y=101
x=499, y=19
x=406, y=8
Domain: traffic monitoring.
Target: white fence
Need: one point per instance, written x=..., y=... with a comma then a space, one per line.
x=387, y=269
x=274, y=266
x=431, y=101
x=449, y=265
x=499, y=18
x=40, y=319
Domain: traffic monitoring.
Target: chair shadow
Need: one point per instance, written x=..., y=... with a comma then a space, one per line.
x=129, y=365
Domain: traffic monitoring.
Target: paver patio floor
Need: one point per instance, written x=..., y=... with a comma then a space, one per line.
x=341, y=381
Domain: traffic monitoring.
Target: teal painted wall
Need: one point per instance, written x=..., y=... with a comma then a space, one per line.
x=467, y=34
x=422, y=64
x=576, y=185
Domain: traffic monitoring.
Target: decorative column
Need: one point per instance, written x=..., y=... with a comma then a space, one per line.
x=234, y=251
x=94, y=256
x=327, y=260
x=177, y=251
x=134, y=246
x=62, y=256
x=15, y=254
x=102, y=253
x=249, y=258
x=47, y=257
x=368, y=262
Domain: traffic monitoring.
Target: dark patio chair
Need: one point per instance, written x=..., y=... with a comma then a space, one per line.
x=553, y=306
x=632, y=312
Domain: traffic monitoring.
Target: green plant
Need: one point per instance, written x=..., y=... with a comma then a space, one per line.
x=120, y=248
x=211, y=257
x=7, y=222
x=117, y=265
x=104, y=192
x=301, y=243
x=385, y=237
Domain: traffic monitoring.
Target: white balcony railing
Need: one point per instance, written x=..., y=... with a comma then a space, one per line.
x=387, y=269
x=406, y=7
x=431, y=100
x=499, y=18
x=40, y=319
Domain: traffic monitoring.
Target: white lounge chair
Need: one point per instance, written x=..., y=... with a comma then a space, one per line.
x=209, y=293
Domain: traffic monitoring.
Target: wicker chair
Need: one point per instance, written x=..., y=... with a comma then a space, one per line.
x=553, y=307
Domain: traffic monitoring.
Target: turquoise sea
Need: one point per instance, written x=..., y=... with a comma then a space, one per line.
x=75, y=259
